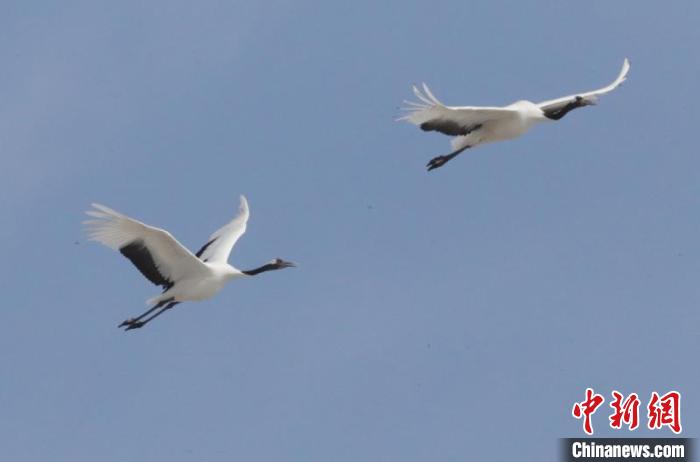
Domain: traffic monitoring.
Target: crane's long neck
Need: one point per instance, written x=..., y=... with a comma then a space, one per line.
x=556, y=114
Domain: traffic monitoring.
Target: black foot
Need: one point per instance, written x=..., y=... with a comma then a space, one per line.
x=135, y=325
x=438, y=162
x=127, y=322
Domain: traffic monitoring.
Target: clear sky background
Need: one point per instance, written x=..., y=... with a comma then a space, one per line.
x=433, y=316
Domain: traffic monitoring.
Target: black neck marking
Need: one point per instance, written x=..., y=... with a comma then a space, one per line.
x=261, y=269
x=559, y=112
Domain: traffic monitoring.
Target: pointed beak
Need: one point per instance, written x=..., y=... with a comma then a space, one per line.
x=287, y=264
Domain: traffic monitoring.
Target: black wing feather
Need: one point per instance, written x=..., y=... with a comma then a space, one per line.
x=449, y=127
x=204, y=248
x=142, y=259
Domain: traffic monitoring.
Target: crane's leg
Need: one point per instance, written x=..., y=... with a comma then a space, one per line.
x=137, y=324
x=439, y=161
x=151, y=310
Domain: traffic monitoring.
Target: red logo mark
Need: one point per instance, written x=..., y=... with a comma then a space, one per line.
x=665, y=411
x=587, y=408
x=626, y=411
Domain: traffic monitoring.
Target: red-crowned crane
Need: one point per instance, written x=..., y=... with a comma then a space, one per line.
x=473, y=125
x=183, y=275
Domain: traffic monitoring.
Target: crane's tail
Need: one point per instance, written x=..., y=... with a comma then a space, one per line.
x=164, y=297
x=426, y=101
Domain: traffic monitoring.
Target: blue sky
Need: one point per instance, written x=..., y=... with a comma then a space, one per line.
x=439, y=316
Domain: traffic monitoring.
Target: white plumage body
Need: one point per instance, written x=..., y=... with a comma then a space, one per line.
x=520, y=117
x=200, y=286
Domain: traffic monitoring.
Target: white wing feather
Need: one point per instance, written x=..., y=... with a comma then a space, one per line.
x=219, y=245
x=430, y=114
x=116, y=230
x=590, y=96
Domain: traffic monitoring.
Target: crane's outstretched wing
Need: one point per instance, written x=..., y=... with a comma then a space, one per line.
x=154, y=251
x=430, y=114
x=587, y=98
x=219, y=244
